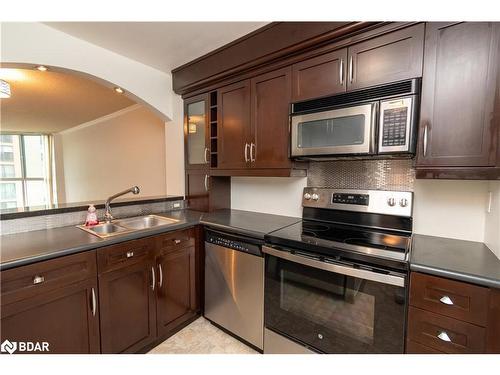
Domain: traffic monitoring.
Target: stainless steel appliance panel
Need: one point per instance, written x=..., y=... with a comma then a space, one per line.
x=234, y=292
x=275, y=343
x=339, y=131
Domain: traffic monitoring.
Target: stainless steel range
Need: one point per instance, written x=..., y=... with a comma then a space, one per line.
x=337, y=281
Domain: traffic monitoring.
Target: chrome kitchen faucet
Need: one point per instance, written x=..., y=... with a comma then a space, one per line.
x=107, y=214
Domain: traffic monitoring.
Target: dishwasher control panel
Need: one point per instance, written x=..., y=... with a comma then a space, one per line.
x=229, y=241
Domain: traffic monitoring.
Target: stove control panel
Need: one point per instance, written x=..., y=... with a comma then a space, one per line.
x=359, y=199
x=398, y=203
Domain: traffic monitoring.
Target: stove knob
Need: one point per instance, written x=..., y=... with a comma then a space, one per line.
x=391, y=202
x=307, y=196
x=403, y=202
x=315, y=197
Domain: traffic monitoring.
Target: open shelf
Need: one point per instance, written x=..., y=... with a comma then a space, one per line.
x=213, y=129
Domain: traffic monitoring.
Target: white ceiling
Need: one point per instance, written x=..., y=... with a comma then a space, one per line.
x=162, y=45
x=49, y=102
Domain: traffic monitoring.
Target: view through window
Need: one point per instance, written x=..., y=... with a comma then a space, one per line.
x=25, y=170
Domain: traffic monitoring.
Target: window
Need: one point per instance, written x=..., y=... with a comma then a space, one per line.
x=24, y=170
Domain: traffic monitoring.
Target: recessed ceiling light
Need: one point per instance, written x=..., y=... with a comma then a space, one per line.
x=42, y=68
x=4, y=89
x=119, y=90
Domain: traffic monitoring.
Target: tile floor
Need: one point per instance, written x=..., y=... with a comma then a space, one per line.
x=201, y=337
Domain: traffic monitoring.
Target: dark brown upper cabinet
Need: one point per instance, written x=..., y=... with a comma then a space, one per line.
x=320, y=76
x=460, y=107
x=391, y=57
x=388, y=58
x=269, y=136
x=233, y=125
x=196, y=132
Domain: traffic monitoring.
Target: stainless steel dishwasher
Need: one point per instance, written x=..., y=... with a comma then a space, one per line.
x=234, y=285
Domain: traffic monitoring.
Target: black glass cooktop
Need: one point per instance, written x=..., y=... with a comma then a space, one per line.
x=326, y=238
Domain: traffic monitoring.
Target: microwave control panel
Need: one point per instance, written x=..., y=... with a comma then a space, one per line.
x=395, y=125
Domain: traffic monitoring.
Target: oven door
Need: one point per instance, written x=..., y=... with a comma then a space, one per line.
x=334, y=308
x=336, y=132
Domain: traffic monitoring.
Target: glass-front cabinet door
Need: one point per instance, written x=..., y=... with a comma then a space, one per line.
x=195, y=114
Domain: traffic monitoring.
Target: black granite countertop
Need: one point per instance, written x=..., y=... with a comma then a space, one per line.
x=468, y=261
x=30, y=247
x=253, y=224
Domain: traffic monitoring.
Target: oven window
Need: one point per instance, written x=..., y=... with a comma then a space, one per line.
x=338, y=131
x=332, y=312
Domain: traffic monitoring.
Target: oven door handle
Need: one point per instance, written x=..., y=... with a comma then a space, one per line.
x=330, y=267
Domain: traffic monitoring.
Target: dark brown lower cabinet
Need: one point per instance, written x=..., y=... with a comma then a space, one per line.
x=449, y=316
x=133, y=296
x=127, y=300
x=151, y=294
x=66, y=318
x=176, y=302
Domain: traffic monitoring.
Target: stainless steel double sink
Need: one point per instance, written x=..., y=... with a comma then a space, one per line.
x=128, y=225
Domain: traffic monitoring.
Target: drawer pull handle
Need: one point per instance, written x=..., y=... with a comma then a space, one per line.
x=177, y=242
x=130, y=254
x=446, y=300
x=38, y=280
x=444, y=336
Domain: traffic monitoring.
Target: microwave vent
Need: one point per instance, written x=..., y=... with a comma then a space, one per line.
x=394, y=89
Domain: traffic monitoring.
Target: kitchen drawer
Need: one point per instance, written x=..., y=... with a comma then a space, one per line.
x=124, y=254
x=413, y=347
x=30, y=280
x=176, y=240
x=425, y=327
x=455, y=299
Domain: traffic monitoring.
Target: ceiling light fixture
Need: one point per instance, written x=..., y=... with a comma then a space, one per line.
x=42, y=68
x=4, y=89
x=119, y=90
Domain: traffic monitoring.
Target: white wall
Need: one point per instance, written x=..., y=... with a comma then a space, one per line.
x=36, y=43
x=492, y=229
x=278, y=195
x=174, y=139
x=110, y=154
x=453, y=209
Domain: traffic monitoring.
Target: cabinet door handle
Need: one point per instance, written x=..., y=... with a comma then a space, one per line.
x=246, y=152
x=177, y=242
x=446, y=300
x=206, y=182
x=425, y=139
x=130, y=254
x=160, y=272
x=153, y=278
x=253, y=155
x=351, y=69
x=205, y=155
x=94, y=302
x=443, y=336
x=341, y=71
x=38, y=279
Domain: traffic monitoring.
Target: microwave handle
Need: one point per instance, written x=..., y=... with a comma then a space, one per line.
x=330, y=267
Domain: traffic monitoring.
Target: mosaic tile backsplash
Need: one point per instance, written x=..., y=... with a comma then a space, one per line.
x=74, y=218
x=363, y=174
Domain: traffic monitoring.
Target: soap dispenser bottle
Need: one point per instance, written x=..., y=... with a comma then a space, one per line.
x=91, y=216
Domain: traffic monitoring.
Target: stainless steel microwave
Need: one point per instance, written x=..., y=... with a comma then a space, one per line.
x=380, y=120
